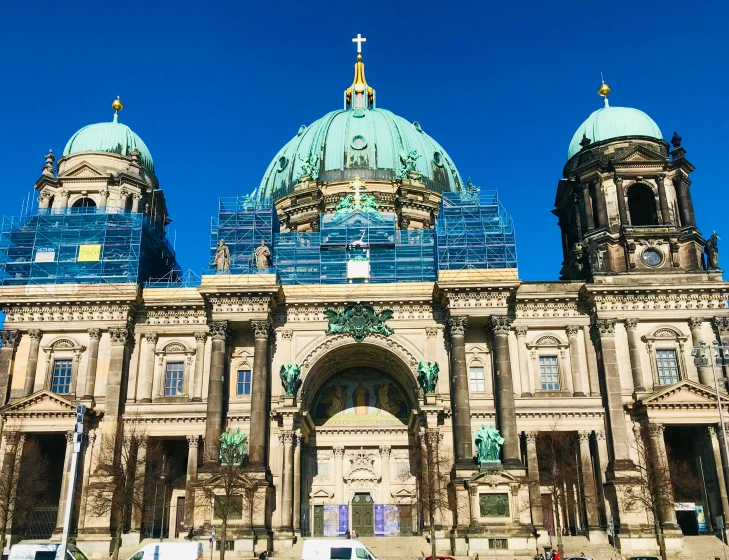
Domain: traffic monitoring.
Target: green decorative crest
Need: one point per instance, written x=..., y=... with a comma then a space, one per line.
x=357, y=202
x=428, y=376
x=233, y=447
x=407, y=169
x=488, y=444
x=290, y=374
x=359, y=321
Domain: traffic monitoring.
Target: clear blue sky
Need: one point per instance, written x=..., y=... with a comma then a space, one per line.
x=215, y=89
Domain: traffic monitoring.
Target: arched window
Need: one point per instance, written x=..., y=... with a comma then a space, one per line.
x=128, y=206
x=642, y=205
x=84, y=202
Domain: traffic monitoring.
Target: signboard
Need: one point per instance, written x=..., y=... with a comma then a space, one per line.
x=685, y=506
x=336, y=520
x=89, y=253
x=387, y=520
x=701, y=519
x=45, y=254
x=358, y=269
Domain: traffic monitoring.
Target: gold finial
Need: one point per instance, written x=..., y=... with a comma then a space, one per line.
x=359, y=95
x=117, y=105
x=603, y=90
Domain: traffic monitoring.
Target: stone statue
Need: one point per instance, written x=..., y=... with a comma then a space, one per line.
x=309, y=168
x=263, y=256
x=221, y=261
x=712, y=252
x=290, y=374
x=233, y=447
x=488, y=444
x=408, y=165
x=428, y=376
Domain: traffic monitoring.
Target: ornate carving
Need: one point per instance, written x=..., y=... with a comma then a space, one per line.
x=695, y=322
x=584, y=436
x=94, y=334
x=721, y=324
x=600, y=435
x=385, y=449
x=500, y=324
x=201, y=337
x=119, y=337
x=457, y=325
x=287, y=334
x=219, y=330
x=338, y=451
x=286, y=437
x=431, y=332
x=711, y=430
x=151, y=338
x=193, y=441
x=175, y=348
x=631, y=324
x=656, y=430
x=572, y=330
x=605, y=327
x=531, y=438
x=35, y=334
x=521, y=331
x=358, y=320
x=290, y=374
x=428, y=376
x=261, y=329
x=10, y=339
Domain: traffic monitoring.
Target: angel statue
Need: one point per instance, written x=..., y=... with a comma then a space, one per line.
x=290, y=374
x=428, y=376
x=488, y=444
x=233, y=447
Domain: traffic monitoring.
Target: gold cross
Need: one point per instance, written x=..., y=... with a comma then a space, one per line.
x=356, y=185
x=359, y=40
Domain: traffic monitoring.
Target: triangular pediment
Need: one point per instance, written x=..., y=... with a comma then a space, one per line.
x=321, y=493
x=403, y=493
x=84, y=169
x=684, y=392
x=42, y=402
x=638, y=153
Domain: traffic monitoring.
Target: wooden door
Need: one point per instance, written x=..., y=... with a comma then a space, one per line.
x=180, y=521
x=318, y=521
x=406, y=521
x=363, y=515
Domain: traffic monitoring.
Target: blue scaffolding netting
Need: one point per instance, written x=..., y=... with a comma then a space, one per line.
x=83, y=245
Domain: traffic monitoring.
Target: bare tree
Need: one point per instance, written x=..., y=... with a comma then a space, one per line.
x=432, y=475
x=23, y=482
x=120, y=478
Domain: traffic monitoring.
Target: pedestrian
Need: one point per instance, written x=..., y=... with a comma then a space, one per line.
x=263, y=555
x=354, y=534
x=422, y=555
x=347, y=534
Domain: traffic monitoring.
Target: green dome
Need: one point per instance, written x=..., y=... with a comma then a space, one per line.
x=113, y=137
x=614, y=122
x=371, y=143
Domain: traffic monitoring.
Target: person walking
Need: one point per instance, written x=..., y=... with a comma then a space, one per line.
x=347, y=534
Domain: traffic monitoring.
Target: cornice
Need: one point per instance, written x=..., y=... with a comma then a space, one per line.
x=63, y=314
x=707, y=296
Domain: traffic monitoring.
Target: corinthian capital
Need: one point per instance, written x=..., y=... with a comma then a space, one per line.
x=605, y=327
x=500, y=325
x=35, y=334
x=457, y=325
x=10, y=339
x=118, y=337
x=261, y=329
x=219, y=329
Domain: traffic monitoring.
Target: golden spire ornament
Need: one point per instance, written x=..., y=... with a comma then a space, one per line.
x=117, y=105
x=603, y=90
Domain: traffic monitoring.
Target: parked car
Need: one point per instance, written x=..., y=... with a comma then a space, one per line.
x=30, y=551
x=170, y=551
x=337, y=549
x=644, y=558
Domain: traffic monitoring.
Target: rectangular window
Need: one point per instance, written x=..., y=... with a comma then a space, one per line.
x=61, y=382
x=475, y=374
x=548, y=373
x=498, y=544
x=229, y=545
x=173, y=379
x=667, y=367
x=243, y=385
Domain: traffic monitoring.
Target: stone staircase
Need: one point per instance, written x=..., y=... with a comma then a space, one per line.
x=575, y=546
x=704, y=547
x=384, y=548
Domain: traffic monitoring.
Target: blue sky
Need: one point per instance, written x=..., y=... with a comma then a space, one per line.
x=215, y=89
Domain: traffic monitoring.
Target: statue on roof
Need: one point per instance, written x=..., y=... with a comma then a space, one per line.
x=712, y=252
x=290, y=374
x=488, y=444
x=407, y=170
x=262, y=255
x=309, y=168
x=428, y=376
x=221, y=261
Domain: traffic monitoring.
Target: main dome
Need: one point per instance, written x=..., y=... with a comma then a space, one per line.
x=112, y=137
x=368, y=142
x=614, y=122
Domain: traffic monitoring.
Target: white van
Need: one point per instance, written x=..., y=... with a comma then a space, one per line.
x=335, y=549
x=44, y=552
x=170, y=551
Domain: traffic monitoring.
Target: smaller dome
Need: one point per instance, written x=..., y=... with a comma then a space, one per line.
x=112, y=137
x=614, y=122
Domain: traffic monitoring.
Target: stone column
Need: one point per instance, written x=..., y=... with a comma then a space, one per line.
x=592, y=371
x=260, y=402
x=622, y=209
x=685, y=205
x=137, y=513
x=298, y=442
x=461, y=404
x=137, y=204
x=215, y=420
x=631, y=326
x=602, y=216
x=526, y=389
x=577, y=218
x=64, y=481
x=103, y=197
x=338, y=475
x=90, y=386
x=10, y=341
x=146, y=380
x=586, y=198
x=663, y=199
x=577, y=382
x=287, y=487
x=535, y=495
x=657, y=448
x=588, y=482
x=706, y=376
x=200, y=339
x=86, y=468
x=615, y=415
x=716, y=449
x=35, y=336
x=114, y=381
x=385, y=465
x=475, y=506
x=190, y=479
x=504, y=391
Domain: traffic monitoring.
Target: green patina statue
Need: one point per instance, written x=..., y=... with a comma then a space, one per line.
x=233, y=447
x=359, y=321
x=428, y=376
x=290, y=374
x=488, y=444
x=309, y=168
x=407, y=161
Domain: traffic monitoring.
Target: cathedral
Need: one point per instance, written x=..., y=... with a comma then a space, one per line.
x=361, y=304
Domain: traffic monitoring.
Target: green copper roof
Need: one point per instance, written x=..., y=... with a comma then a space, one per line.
x=614, y=122
x=113, y=137
x=373, y=143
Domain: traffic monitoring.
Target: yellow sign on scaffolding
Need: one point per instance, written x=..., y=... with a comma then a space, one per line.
x=89, y=253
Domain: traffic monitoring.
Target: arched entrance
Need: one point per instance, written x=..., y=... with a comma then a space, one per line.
x=360, y=404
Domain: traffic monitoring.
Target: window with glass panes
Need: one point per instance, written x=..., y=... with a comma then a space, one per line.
x=548, y=373
x=243, y=382
x=667, y=367
x=61, y=382
x=475, y=374
x=173, y=379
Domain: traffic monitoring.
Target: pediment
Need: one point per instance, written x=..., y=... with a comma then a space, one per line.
x=403, y=493
x=684, y=392
x=84, y=169
x=494, y=478
x=637, y=153
x=362, y=473
x=42, y=402
x=321, y=493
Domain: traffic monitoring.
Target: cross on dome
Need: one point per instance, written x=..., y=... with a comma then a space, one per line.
x=358, y=186
x=359, y=40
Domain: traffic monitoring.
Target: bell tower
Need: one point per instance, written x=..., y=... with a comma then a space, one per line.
x=624, y=205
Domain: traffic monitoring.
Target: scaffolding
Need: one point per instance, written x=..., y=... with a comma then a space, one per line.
x=473, y=230
x=242, y=222
x=83, y=245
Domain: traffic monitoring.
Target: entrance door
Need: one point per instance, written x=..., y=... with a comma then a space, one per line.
x=363, y=515
x=318, y=521
x=180, y=521
x=406, y=521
